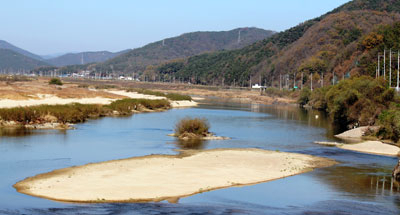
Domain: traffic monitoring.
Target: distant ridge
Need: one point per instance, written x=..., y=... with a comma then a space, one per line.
x=6, y=45
x=185, y=45
x=83, y=58
x=343, y=42
x=13, y=62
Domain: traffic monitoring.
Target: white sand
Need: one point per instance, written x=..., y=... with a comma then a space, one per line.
x=183, y=104
x=328, y=143
x=162, y=177
x=356, y=133
x=52, y=100
x=134, y=95
x=373, y=147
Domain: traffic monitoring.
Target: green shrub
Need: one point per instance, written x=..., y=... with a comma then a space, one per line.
x=126, y=106
x=389, y=122
x=276, y=92
x=55, y=81
x=305, y=95
x=197, y=126
x=357, y=101
x=178, y=97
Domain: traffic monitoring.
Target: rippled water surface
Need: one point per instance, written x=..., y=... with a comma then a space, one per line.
x=360, y=184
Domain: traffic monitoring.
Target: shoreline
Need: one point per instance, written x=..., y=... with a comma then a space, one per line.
x=358, y=144
x=52, y=100
x=169, y=177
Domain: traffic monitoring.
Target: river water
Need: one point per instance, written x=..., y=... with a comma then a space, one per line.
x=360, y=184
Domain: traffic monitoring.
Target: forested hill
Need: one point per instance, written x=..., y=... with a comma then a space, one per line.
x=12, y=62
x=6, y=45
x=183, y=46
x=83, y=58
x=335, y=42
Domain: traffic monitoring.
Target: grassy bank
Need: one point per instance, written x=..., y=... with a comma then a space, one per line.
x=359, y=101
x=76, y=113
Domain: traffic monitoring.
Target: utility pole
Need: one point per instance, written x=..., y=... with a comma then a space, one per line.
x=384, y=64
x=379, y=65
x=239, y=36
x=294, y=80
x=322, y=79
x=398, y=68
x=301, y=82
x=311, y=82
x=280, y=82
x=390, y=69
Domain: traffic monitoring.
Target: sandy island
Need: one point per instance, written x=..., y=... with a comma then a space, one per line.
x=167, y=177
x=135, y=95
x=360, y=145
x=49, y=99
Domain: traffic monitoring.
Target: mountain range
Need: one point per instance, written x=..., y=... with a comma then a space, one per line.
x=343, y=42
x=14, y=59
x=182, y=46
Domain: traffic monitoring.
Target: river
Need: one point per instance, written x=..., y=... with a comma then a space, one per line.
x=359, y=184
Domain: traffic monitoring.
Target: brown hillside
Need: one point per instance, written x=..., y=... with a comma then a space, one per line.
x=332, y=43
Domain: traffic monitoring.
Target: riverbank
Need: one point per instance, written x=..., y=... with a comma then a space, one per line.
x=358, y=144
x=38, y=105
x=62, y=116
x=235, y=94
x=167, y=177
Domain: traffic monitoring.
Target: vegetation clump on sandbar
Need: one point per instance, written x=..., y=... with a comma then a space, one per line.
x=60, y=116
x=194, y=128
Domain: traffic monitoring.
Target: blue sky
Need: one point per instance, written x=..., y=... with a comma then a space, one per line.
x=58, y=26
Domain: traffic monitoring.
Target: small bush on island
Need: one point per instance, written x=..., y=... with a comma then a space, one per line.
x=55, y=81
x=192, y=127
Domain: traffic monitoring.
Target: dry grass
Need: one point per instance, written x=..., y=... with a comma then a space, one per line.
x=192, y=127
x=30, y=90
x=75, y=113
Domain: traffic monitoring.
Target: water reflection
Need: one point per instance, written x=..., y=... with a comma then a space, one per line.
x=359, y=181
x=15, y=132
x=193, y=144
x=308, y=116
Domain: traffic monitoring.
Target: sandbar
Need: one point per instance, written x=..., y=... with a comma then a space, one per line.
x=167, y=177
x=373, y=147
x=135, y=95
x=47, y=99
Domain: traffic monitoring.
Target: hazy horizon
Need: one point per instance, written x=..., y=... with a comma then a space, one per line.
x=48, y=27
